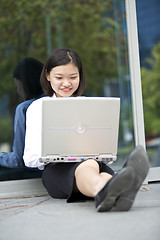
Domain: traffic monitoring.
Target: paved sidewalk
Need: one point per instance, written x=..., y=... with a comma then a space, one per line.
x=45, y=218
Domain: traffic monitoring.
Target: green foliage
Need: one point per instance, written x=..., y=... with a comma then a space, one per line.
x=151, y=92
x=5, y=129
x=85, y=26
x=34, y=28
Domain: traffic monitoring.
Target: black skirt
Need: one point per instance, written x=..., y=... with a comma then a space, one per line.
x=59, y=180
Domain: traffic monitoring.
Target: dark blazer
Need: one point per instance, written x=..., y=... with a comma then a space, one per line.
x=14, y=159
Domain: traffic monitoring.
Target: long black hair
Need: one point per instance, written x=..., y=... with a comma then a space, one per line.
x=28, y=72
x=62, y=56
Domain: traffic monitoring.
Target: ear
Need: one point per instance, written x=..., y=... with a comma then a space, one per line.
x=48, y=77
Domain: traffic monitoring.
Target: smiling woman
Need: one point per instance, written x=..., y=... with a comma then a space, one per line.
x=63, y=74
x=90, y=178
x=64, y=80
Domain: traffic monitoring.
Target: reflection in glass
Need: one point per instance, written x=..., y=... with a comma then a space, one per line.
x=96, y=30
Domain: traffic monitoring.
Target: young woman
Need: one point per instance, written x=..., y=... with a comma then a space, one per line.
x=63, y=76
x=27, y=80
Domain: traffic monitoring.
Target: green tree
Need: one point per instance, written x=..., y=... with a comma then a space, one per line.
x=34, y=28
x=86, y=26
x=151, y=92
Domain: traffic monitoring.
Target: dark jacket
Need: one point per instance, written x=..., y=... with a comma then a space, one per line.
x=14, y=159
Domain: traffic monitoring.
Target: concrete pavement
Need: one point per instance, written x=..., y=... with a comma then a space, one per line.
x=37, y=218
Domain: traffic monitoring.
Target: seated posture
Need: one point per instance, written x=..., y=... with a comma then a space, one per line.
x=63, y=76
x=27, y=79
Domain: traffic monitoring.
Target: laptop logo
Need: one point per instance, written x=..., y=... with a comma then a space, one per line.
x=81, y=128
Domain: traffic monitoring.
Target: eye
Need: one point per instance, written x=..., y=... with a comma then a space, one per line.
x=58, y=78
x=73, y=78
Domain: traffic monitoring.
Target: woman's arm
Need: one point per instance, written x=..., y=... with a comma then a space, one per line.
x=32, y=150
x=14, y=159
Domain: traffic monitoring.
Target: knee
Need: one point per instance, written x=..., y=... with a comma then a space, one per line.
x=90, y=163
x=87, y=177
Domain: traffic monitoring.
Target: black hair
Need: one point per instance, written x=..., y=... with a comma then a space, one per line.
x=28, y=72
x=62, y=56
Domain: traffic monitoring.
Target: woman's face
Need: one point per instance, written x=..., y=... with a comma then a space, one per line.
x=64, y=80
x=20, y=89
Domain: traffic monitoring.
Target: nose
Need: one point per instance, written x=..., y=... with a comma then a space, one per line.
x=66, y=83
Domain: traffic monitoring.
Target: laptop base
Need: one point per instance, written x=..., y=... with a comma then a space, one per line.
x=57, y=158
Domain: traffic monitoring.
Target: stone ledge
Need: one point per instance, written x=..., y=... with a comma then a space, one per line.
x=22, y=188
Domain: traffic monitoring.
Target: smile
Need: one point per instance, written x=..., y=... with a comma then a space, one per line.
x=66, y=89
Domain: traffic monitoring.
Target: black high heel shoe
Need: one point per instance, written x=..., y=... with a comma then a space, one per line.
x=121, y=182
x=139, y=161
x=120, y=191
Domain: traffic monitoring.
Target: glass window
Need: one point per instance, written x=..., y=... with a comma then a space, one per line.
x=148, y=20
x=96, y=30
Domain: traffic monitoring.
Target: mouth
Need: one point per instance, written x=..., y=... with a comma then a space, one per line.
x=66, y=90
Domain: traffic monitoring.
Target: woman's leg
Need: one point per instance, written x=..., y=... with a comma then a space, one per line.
x=102, y=186
x=118, y=191
x=89, y=180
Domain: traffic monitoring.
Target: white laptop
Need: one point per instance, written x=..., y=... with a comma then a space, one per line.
x=78, y=128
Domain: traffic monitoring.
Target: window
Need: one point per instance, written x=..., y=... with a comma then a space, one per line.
x=148, y=20
x=96, y=30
